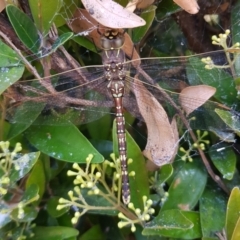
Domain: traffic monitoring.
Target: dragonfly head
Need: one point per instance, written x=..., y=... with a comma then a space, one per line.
x=112, y=39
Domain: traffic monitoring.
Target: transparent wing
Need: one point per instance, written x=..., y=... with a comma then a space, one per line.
x=81, y=95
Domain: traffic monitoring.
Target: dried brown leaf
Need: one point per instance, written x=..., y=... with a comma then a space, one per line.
x=162, y=136
x=111, y=14
x=193, y=97
x=189, y=6
x=2, y=5
x=139, y=4
x=150, y=165
x=82, y=22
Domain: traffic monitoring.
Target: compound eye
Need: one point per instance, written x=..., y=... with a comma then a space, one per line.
x=105, y=43
x=118, y=42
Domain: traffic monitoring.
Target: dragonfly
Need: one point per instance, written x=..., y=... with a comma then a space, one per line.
x=144, y=87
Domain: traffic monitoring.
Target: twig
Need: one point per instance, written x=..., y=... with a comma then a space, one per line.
x=49, y=87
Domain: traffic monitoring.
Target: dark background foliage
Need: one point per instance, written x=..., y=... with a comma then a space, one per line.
x=198, y=203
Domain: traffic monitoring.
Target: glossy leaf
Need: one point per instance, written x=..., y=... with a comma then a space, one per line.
x=53, y=233
x=224, y=159
x=233, y=218
x=24, y=28
x=30, y=193
x=64, y=143
x=100, y=129
x=5, y=211
x=236, y=233
x=10, y=68
x=37, y=177
x=92, y=233
x=44, y=12
x=165, y=173
x=212, y=211
x=67, y=10
x=29, y=214
x=139, y=183
x=235, y=14
x=217, y=78
x=25, y=164
x=99, y=201
x=61, y=40
x=186, y=188
x=230, y=119
x=167, y=8
x=148, y=15
x=174, y=223
x=52, y=207
x=22, y=119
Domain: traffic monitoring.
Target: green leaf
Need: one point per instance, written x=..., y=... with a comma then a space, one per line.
x=21, y=118
x=139, y=183
x=30, y=193
x=63, y=141
x=66, y=12
x=165, y=173
x=37, y=177
x=224, y=159
x=230, y=119
x=148, y=15
x=95, y=232
x=166, y=9
x=54, y=233
x=29, y=214
x=235, y=15
x=100, y=129
x=212, y=206
x=216, y=77
x=236, y=233
x=44, y=12
x=25, y=164
x=5, y=212
x=61, y=40
x=10, y=68
x=176, y=224
x=24, y=28
x=99, y=201
x=52, y=208
x=232, y=218
x=187, y=187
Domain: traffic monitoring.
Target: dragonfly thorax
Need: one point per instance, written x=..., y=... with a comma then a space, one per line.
x=116, y=88
x=113, y=61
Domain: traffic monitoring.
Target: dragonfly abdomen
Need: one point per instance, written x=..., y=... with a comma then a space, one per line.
x=122, y=147
x=113, y=58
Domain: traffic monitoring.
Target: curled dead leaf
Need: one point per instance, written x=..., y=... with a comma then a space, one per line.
x=139, y=4
x=82, y=22
x=189, y=6
x=162, y=140
x=2, y=5
x=111, y=14
x=193, y=97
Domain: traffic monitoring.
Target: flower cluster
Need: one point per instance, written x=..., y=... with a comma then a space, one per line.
x=6, y=163
x=201, y=143
x=142, y=216
x=221, y=41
